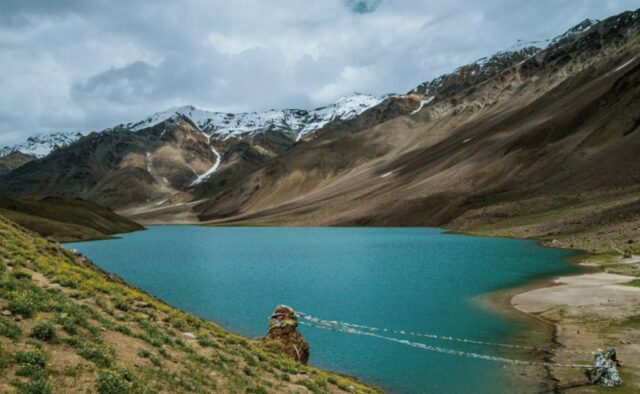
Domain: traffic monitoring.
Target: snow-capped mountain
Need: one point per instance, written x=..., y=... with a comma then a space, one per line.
x=219, y=124
x=575, y=30
x=541, y=44
x=300, y=122
x=297, y=121
x=41, y=145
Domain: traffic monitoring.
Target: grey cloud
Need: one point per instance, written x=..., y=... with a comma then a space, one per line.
x=20, y=12
x=117, y=85
x=362, y=6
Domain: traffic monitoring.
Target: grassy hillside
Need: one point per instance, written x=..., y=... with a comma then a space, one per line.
x=65, y=219
x=67, y=326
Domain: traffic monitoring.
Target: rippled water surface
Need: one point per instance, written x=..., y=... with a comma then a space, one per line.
x=415, y=279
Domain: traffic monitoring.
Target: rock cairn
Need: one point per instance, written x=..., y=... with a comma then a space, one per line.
x=283, y=328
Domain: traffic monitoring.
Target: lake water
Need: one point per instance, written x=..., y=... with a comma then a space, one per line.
x=416, y=279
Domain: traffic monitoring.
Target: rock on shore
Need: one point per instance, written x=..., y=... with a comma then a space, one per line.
x=283, y=328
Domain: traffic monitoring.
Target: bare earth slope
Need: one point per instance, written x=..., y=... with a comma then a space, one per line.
x=558, y=130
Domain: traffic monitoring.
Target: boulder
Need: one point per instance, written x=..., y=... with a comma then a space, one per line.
x=283, y=328
x=605, y=371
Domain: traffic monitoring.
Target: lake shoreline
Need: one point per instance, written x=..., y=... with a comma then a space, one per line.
x=567, y=304
x=581, y=321
x=538, y=332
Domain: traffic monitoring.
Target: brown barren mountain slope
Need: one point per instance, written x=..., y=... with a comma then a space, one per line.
x=148, y=170
x=559, y=130
x=118, y=167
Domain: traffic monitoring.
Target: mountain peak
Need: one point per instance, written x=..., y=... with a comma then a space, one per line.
x=583, y=26
x=485, y=68
x=575, y=30
x=294, y=121
x=40, y=145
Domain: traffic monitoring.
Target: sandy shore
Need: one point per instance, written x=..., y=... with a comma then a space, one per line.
x=589, y=311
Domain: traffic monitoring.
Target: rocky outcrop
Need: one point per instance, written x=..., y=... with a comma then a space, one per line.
x=13, y=160
x=118, y=167
x=469, y=75
x=283, y=328
x=40, y=145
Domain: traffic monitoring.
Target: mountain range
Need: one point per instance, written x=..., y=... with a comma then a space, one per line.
x=505, y=145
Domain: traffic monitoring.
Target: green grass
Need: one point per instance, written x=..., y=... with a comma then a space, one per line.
x=635, y=283
x=44, y=330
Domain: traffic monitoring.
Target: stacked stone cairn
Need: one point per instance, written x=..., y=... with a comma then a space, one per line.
x=283, y=328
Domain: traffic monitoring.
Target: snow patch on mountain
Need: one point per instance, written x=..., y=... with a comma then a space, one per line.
x=203, y=177
x=575, y=30
x=422, y=104
x=487, y=67
x=41, y=145
x=625, y=64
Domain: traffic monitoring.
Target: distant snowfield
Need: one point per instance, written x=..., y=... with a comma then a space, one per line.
x=40, y=145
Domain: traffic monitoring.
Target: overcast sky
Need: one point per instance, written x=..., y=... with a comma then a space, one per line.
x=87, y=65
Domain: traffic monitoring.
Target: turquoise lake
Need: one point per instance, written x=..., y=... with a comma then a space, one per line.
x=416, y=279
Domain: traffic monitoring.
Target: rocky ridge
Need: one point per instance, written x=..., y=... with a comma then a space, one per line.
x=222, y=129
x=13, y=160
x=295, y=121
x=41, y=145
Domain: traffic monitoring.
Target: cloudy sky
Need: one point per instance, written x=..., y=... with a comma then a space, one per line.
x=87, y=65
